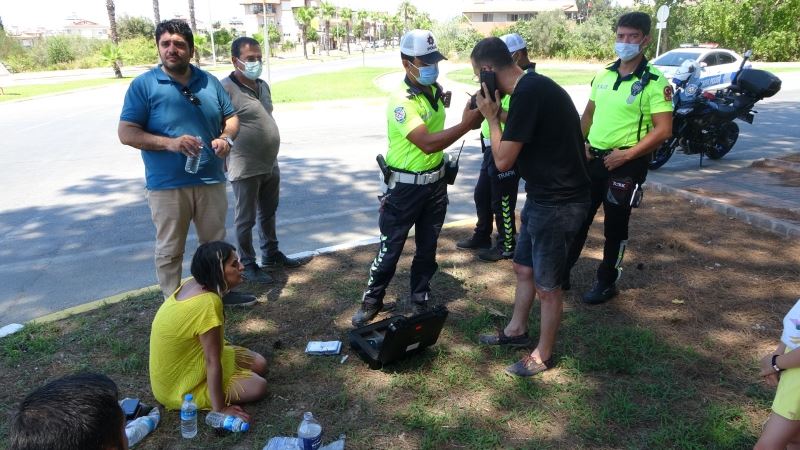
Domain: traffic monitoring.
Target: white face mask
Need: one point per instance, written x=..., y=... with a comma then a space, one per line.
x=626, y=52
x=252, y=69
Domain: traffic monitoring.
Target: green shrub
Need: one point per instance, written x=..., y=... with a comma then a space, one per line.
x=776, y=46
x=58, y=50
x=455, y=38
x=138, y=51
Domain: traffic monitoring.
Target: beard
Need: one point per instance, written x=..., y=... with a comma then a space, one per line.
x=178, y=66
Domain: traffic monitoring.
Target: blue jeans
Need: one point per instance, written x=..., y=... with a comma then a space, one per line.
x=545, y=237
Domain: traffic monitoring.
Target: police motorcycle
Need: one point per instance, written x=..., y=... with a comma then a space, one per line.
x=703, y=122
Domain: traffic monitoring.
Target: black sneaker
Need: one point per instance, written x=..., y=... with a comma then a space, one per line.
x=234, y=298
x=474, y=242
x=495, y=254
x=600, y=293
x=279, y=260
x=254, y=274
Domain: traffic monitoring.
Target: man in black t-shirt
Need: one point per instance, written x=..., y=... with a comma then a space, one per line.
x=543, y=138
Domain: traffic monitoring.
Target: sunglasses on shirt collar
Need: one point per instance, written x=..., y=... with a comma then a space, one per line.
x=190, y=96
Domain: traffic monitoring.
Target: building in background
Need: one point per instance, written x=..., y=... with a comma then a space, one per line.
x=486, y=15
x=278, y=12
x=86, y=28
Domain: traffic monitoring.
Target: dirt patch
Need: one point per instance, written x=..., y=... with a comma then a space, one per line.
x=669, y=363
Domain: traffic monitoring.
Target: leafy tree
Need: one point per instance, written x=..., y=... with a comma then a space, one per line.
x=141, y=50
x=2, y=28
x=422, y=21
x=303, y=16
x=202, y=43
x=131, y=27
x=546, y=34
x=222, y=41
x=456, y=38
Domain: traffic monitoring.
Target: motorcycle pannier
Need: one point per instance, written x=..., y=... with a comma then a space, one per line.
x=759, y=83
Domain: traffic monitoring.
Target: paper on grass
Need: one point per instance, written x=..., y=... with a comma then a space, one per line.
x=324, y=347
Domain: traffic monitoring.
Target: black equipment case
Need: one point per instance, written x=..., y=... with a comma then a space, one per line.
x=395, y=338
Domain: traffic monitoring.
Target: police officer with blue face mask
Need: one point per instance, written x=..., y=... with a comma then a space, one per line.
x=629, y=114
x=416, y=189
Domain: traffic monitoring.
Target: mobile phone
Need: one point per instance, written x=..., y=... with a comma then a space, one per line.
x=488, y=77
x=130, y=406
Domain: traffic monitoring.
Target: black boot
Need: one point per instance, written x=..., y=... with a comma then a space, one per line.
x=370, y=308
x=600, y=293
x=474, y=242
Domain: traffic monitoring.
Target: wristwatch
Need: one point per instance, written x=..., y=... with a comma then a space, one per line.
x=227, y=139
x=775, y=363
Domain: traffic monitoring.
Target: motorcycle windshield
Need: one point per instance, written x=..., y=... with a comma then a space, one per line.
x=692, y=89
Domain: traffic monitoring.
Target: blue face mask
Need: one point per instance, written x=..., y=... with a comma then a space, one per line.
x=252, y=69
x=626, y=52
x=427, y=74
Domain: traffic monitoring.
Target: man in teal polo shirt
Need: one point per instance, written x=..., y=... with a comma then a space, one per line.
x=628, y=115
x=170, y=113
x=417, y=192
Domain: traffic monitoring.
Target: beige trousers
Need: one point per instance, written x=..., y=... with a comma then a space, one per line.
x=172, y=210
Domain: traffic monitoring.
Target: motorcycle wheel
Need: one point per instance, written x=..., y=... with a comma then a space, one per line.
x=662, y=154
x=726, y=138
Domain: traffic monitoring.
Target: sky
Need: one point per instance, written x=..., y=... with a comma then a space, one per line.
x=53, y=13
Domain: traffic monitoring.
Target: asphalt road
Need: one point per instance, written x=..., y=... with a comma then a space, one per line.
x=75, y=226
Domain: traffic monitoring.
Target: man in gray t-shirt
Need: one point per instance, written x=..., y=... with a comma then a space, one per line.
x=253, y=164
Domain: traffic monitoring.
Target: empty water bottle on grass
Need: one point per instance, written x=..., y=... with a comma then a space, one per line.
x=223, y=422
x=193, y=162
x=310, y=433
x=137, y=429
x=188, y=417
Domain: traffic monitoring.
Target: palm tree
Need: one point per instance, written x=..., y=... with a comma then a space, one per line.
x=408, y=12
x=304, y=15
x=327, y=11
x=396, y=26
x=112, y=22
x=193, y=23
x=347, y=15
x=362, y=18
x=156, y=14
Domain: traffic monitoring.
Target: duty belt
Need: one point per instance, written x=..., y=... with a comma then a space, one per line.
x=417, y=178
x=602, y=153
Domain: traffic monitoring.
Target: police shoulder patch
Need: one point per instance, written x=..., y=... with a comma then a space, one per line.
x=400, y=114
x=668, y=92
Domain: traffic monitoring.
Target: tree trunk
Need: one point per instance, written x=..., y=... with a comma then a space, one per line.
x=112, y=24
x=193, y=23
x=328, y=37
x=156, y=14
x=305, y=52
x=347, y=38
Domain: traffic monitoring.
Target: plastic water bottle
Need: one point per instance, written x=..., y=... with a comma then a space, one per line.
x=188, y=417
x=230, y=423
x=137, y=429
x=193, y=162
x=310, y=433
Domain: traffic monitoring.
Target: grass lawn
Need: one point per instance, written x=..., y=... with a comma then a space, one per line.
x=32, y=90
x=670, y=363
x=344, y=84
x=562, y=77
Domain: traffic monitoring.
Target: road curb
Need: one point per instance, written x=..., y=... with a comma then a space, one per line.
x=763, y=221
x=90, y=306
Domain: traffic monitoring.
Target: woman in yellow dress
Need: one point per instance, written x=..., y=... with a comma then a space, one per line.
x=188, y=352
